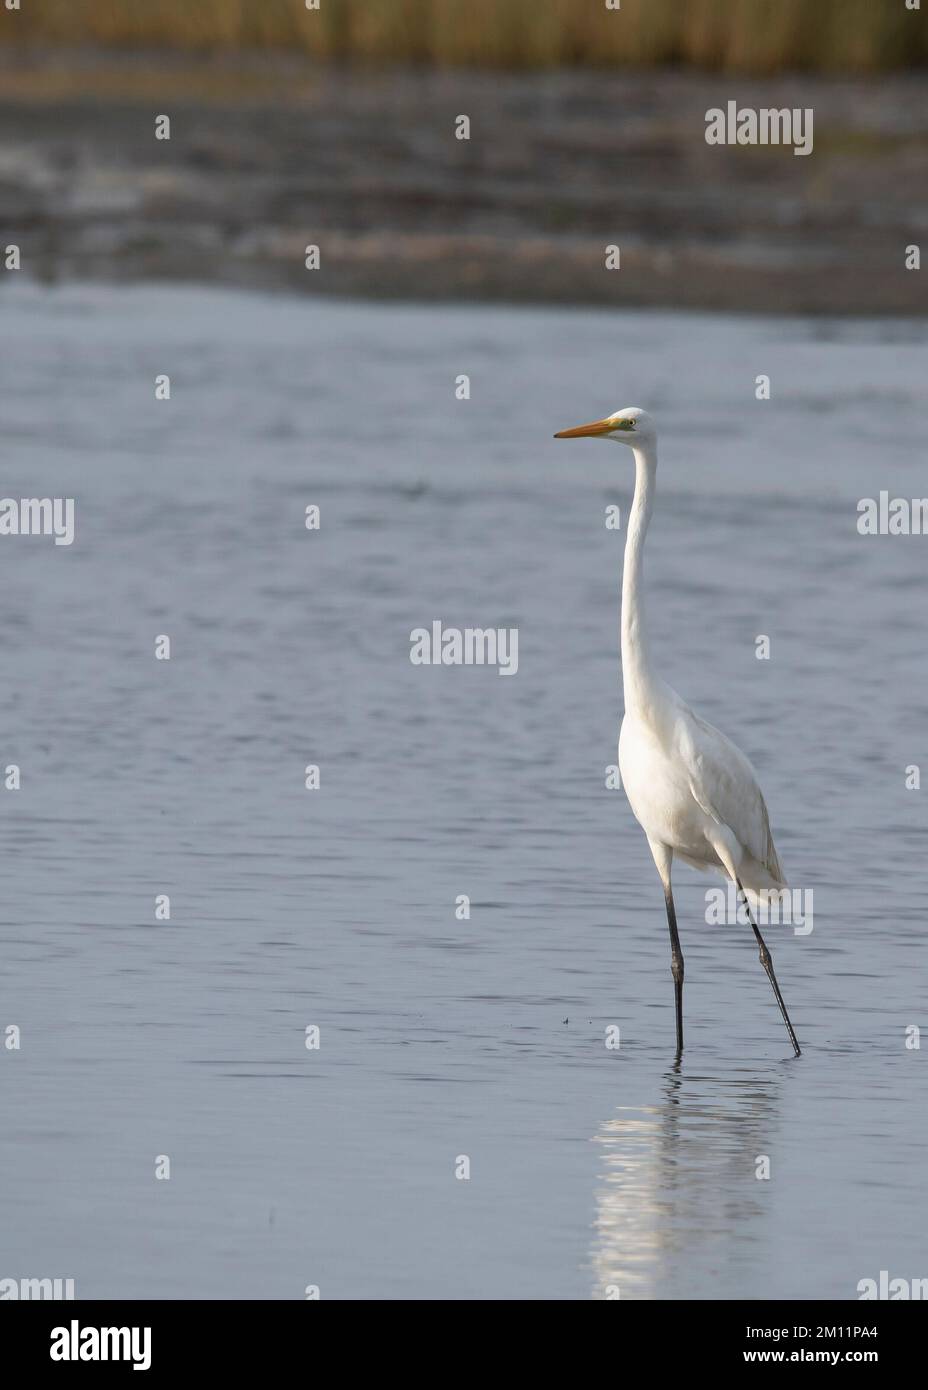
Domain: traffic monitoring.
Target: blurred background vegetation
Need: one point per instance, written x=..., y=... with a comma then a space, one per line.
x=752, y=36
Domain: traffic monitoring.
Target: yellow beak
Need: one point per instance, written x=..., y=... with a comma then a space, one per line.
x=584, y=431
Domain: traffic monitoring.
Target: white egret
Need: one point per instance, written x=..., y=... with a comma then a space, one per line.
x=693, y=792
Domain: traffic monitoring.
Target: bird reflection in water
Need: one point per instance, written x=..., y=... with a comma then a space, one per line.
x=678, y=1199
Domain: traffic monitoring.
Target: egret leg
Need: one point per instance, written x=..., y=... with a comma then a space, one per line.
x=676, y=965
x=663, y=858
x=766, y=961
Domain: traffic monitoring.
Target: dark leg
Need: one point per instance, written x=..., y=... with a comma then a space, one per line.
x=766, y=961
x=676, y=965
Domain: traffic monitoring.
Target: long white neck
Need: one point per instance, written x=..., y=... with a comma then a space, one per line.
x=638, y=677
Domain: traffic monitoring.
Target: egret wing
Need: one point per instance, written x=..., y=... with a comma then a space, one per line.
x=724, y=784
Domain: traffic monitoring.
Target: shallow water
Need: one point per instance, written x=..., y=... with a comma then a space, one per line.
x=591, y=1169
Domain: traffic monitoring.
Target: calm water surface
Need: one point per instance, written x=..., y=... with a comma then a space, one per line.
x=590, y=1168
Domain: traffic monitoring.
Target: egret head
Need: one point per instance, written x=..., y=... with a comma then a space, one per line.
x=629, y=426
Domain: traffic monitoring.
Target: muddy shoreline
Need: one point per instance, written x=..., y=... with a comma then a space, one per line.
x=268, y=155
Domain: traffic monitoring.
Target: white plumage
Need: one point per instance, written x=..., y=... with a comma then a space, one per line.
x=693, y=792
x=688, y=784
